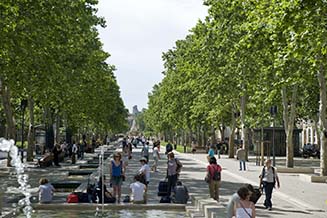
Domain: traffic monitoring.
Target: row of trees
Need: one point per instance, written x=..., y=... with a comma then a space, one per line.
x=243, y=58
x=51, y=55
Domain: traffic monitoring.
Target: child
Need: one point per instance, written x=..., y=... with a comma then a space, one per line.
x=45, y=191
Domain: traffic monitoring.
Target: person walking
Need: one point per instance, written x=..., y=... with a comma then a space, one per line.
x=174, y=167
x=126, y=154
x=83, y=146
x=45, y=191
x=211, y=152
x=268, y=179
x=145, y=170
x=193, y=145
x=74, y=152
x=214, y=178
x=244, y=208
x=117, y=175
x=145, y=151
x=156, y=157
x=241, y=157
x=56, y=151
x=219, y=147
x=138, y=191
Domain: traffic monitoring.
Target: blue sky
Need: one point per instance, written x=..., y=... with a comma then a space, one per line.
x=137, y=33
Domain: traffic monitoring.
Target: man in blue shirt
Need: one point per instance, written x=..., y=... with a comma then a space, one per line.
x=211, y=152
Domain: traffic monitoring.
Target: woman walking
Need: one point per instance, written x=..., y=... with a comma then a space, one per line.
x=156, y=157
x=117, y=175
x=214, y=178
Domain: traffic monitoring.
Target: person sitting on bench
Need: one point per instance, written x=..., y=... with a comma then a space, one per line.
x=108, y=197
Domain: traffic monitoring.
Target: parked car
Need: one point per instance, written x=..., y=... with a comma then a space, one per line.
x=310, y=150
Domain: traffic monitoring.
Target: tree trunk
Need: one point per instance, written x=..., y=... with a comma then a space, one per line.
x=317, y=131
x=213, y=135
x=204, y=136
x=198, y=138
x=183, y=137
x=57, y=129
x=30, y=136
x=289, y=118
x=244, y=136
x=232, y=136
x=323, y=122
x=10, y=120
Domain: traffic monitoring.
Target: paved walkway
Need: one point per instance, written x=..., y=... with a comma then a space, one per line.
x=295, y=198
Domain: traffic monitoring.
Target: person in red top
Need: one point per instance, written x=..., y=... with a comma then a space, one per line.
x=214, y=178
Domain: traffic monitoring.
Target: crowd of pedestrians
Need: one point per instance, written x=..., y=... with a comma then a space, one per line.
x=241, y=204
x=141, y=177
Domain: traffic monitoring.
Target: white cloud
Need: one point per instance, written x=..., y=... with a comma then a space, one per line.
x=137, y=33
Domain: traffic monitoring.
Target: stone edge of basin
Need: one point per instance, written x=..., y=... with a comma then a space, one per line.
x=91, y=206
x=313, y=178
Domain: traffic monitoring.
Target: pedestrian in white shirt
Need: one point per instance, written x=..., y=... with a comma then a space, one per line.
x=145, y=170
x=138, y=191
x=45, y=191
x=156, y=157
x=74, y=152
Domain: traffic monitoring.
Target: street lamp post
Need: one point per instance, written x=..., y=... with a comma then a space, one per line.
x=273, y=112
x=23, y=105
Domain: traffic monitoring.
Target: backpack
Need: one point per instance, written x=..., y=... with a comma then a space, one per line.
x=179, y=166
x=216, y=175
x=264, y=172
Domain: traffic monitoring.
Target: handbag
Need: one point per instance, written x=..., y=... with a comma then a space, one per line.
x=207, y=178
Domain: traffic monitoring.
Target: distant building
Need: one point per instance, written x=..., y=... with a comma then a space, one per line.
x=135, y=110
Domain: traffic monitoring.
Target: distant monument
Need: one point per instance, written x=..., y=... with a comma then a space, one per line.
x=132, y=118
x=135, y=110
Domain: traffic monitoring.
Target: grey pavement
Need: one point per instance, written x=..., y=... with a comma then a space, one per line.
x=295, y=198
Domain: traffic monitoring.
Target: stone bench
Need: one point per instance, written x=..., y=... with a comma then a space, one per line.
x=313, y=178
x=80, y=172
x=95, y=161
x=307, y=170
x=83, y=166
x=66, y=184
x=204, y=206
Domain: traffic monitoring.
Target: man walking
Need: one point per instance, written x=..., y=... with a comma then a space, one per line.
x=268, y=179
x=241, y=156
